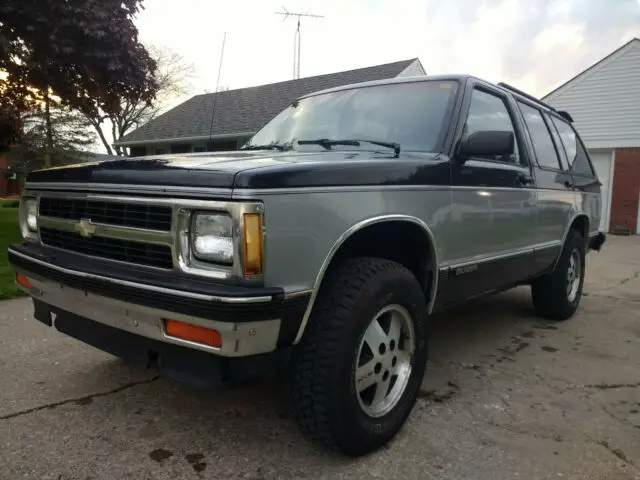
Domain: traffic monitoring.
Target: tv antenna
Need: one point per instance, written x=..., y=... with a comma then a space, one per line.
x=296, y=39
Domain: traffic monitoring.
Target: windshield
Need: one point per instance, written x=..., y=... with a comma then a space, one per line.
x=411, y=115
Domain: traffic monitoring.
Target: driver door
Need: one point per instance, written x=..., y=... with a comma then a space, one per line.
x=494, y=202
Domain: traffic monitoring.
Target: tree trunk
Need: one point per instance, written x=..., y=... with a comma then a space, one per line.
x=49, y=131
x=98, y=129
x=116, y=137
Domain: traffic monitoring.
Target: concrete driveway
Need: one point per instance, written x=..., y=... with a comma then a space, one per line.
x=506, y=396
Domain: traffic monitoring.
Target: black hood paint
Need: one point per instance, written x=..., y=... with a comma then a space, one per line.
x=256, y=170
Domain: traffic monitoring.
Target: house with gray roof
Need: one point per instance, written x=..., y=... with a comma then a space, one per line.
x=227, y=119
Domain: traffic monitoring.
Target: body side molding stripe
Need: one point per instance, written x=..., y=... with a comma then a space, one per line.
x=242, y=193
x=506, y=254
x=345, y=236
x=251, y=193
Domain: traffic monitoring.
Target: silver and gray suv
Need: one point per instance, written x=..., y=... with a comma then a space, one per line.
x=322, y=247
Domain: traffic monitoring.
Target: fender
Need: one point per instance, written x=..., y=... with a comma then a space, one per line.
x=566, y=232
x=345, y=236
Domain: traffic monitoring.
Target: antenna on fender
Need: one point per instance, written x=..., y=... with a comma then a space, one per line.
x=215, y=95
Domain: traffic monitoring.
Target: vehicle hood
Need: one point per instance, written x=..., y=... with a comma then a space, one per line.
x=253, y=169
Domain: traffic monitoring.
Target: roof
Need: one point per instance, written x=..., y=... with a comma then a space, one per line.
x=244, y=111
x=390, y=81
x=591, y=68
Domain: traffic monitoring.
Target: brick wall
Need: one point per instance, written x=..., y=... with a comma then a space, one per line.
x=625, y=189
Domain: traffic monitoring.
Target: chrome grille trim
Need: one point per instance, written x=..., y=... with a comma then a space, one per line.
x=110, y=231
x=177, y=238
x=119, y=214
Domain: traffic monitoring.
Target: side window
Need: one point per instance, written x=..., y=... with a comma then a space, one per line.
x=489, y=112
x=557, y=141
x=540, y=137
x=576, y=155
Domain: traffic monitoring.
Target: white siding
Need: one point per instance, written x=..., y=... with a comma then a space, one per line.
x=604, y=101
x=603, y=163
x=414, y=69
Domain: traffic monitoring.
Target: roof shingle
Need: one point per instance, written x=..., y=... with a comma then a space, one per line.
x=246, y=110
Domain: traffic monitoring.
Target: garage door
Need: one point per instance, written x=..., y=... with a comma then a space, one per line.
x=602, y=163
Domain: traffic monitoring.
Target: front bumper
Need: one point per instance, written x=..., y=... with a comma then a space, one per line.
x=251, y=321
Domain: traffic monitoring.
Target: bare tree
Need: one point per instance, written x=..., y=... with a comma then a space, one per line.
x=173, y=75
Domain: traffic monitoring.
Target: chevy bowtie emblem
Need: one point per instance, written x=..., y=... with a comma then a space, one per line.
x=85, y=228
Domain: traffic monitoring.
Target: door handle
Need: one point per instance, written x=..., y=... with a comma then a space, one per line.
x=525, y=179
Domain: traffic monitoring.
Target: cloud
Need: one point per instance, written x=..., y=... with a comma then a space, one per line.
x=535, y=44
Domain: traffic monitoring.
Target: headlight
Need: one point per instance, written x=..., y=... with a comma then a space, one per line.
x=212, y=237
x=32, y=214
x=29, y=217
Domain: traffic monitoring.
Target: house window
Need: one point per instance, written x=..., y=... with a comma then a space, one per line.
x=137, y=151
x=242, y=141
x=180, y=148
x=222, y=145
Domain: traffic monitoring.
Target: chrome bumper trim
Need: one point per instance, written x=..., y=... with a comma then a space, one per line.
x=153, y=288
x=238, y=339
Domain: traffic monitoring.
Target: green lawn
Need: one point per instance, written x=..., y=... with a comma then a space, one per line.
x=9, y=233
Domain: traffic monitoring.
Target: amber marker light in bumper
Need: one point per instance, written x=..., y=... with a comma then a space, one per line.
x=193, y=333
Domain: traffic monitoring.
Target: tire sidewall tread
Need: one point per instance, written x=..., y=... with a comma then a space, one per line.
x=549, y=292
x=352, y=296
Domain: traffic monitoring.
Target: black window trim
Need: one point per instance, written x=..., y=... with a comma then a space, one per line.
x=593, y=174
x=473, y=84
x=553, y=140
x=557, y=140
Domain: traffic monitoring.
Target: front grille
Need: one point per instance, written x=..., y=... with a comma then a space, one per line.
x=113, y=249
x=136, y=215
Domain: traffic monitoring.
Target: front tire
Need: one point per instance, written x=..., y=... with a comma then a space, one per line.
x=556, y=295
x=357, y=373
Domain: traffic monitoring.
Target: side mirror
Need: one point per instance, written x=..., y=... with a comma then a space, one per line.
x=487, y=143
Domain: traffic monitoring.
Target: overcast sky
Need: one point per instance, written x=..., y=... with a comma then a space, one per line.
x=534, y=44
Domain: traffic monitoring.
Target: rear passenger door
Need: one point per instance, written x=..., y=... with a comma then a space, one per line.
x=586, y=185
x=553, y=181
x=493, y=201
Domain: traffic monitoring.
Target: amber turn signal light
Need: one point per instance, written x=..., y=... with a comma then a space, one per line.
x=252, y=244
x=193, y=333
x=23, y=281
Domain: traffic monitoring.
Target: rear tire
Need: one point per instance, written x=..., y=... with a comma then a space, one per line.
x=556, y=295
x=335, y=372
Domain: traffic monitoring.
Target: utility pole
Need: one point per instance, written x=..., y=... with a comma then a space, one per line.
x=296, y=39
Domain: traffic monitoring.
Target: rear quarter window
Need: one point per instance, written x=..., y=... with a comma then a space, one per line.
x=576, y=154
x=541, y=138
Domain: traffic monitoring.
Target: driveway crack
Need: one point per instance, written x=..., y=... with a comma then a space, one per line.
x=613, y=297
x=613, y=386
x=633, y=277
x=79, y=400
x=616, y=451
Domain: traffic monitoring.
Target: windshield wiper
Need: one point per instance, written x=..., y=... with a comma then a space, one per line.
x=328, y=143
x=270, y=146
